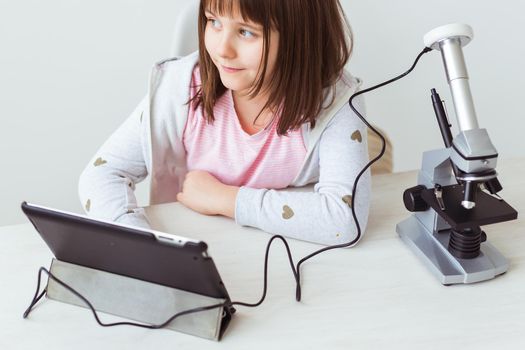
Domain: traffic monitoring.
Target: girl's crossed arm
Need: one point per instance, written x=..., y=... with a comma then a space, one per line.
x=323, y=216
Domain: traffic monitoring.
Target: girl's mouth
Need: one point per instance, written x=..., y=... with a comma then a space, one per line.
x=230, y=69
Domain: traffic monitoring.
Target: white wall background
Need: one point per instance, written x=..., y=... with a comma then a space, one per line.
x=71, y=71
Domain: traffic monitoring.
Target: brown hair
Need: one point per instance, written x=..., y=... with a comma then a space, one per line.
x=315, y=42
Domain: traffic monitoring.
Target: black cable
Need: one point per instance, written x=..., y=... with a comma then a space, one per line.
x=36, y=298
x=296, y=276
x=295, y=270
x=383, y=147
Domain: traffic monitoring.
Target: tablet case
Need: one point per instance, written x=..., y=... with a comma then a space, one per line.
x=176, y=270
x=137, y=300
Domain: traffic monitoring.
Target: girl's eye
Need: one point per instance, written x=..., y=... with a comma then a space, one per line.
x=214, y=23
x=246, y=33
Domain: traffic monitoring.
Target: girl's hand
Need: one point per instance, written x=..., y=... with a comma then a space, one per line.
x=203, y=193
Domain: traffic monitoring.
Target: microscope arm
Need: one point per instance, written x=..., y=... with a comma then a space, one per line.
x=472, y=154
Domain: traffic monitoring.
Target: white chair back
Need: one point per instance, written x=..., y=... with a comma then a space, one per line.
x=185, y=34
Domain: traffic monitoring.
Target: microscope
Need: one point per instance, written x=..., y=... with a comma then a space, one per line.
x=457, y=185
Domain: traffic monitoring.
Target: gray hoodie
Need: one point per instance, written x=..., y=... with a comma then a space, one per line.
x=150, y=142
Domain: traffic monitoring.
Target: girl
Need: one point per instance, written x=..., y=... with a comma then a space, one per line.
x=262, y=106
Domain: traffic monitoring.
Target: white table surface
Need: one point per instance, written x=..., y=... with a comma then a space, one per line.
x=375, y=295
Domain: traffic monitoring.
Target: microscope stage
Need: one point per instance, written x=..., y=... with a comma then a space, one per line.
x=488, y=209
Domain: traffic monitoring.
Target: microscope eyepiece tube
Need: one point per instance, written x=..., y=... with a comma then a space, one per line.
x=457, y=76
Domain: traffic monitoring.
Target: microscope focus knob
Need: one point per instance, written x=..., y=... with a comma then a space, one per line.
x=413, y=200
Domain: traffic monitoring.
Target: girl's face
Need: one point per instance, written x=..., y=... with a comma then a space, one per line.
x=236, y=49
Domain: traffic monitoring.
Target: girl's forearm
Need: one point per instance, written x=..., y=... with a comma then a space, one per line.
x=227, y=200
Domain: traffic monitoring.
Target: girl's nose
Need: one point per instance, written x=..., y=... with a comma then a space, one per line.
x=225, y=46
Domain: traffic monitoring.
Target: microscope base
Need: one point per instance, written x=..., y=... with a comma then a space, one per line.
x=432, y=250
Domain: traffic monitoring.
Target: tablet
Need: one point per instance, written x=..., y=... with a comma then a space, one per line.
x=143, y=254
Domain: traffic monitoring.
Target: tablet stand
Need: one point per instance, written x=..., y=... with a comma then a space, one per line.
x=135, y=299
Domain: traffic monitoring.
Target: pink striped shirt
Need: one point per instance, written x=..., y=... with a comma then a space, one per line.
x=225, y=150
